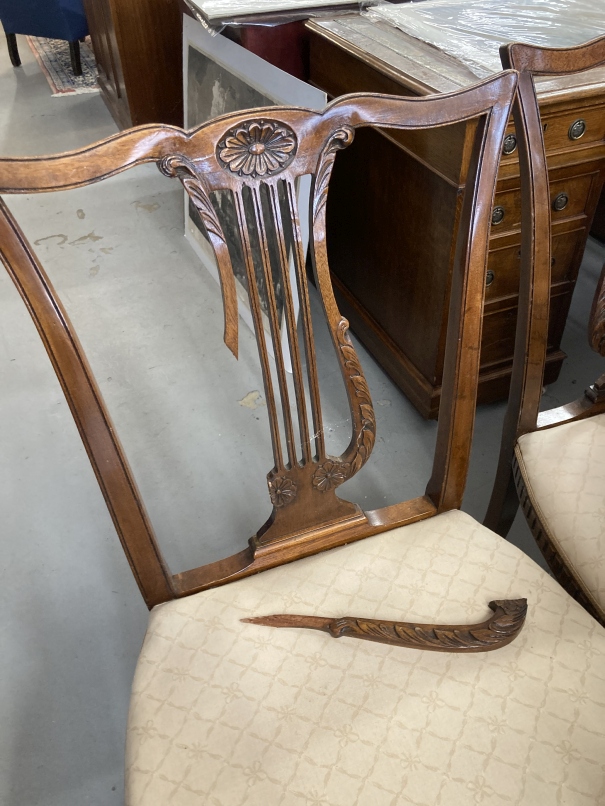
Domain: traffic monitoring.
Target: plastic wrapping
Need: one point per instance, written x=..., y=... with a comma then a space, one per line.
x=269, y=12
x=473, y=30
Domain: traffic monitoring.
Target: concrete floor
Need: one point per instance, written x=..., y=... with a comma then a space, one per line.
x=150, y=320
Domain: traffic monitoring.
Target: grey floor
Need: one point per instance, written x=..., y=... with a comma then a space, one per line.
x=150, y=320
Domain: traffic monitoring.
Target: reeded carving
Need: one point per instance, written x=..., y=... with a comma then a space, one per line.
x=282, y=491
x=497, y=631
x=183, y=168
x=338, y=140
x=257, y=148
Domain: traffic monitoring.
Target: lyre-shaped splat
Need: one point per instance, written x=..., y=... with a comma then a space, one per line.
x=255, y=157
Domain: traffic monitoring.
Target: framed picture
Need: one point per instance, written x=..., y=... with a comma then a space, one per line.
x=222, y=77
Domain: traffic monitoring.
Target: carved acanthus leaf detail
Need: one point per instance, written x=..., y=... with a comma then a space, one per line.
x=337, y=470
x=497, y=631
x=257, y=148
x=338, y=140
x=282, y=491
x=183, y=168
x=365, y=418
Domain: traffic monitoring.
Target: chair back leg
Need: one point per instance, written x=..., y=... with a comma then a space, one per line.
x=74, y=55
x=13, y=50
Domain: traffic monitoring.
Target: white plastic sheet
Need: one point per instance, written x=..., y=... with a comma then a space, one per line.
x=473, y=30
x=227, y=11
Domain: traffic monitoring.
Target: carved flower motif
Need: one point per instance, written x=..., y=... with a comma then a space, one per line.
x=282, y=491
x=257, y=148
x=330, y=475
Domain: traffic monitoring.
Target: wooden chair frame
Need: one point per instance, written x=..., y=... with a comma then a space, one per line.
x=522, y=414
x=307, y=516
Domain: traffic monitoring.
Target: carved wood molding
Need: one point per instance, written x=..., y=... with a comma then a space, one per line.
x=495, y=632
x=335, y=471
x=180, y=166
x=364, y=418
x=338, y=140
x=257, y=148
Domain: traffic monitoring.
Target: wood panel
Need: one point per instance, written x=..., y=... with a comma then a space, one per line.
x=138, y=47
x=378, y=249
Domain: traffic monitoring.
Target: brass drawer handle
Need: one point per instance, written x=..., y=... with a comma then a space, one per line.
x=497, y=215
x=489, y=277
x=510, y=144
x=577, y=129
x=560, y=202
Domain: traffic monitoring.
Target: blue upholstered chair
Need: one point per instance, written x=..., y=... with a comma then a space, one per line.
x=55, y=19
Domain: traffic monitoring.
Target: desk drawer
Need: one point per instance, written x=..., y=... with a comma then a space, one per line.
x=568, y=198
x=574, y=128
x=563, y=131
x=503, y=266
x=499, y=325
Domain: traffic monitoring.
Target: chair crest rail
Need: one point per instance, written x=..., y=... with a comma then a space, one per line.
x=255, y=160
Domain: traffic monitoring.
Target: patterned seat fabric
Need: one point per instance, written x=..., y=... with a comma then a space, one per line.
x=225, y=713
x=564, y=473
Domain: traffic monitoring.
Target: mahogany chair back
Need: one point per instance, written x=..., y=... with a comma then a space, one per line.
x=257, y=157
x=522, y=414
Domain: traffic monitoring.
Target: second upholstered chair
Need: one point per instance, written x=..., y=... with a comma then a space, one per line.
x=452, y=695
x=553, y=461
x=55, y=19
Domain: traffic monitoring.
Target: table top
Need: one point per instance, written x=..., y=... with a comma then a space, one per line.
x=424, y=69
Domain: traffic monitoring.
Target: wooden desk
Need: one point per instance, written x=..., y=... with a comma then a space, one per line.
x=138, y=50
x=394, y=204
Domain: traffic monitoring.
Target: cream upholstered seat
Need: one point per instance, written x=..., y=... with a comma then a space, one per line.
x=229, y=713
x=563, y=470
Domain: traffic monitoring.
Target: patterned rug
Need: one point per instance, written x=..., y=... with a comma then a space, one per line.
x=53, y=57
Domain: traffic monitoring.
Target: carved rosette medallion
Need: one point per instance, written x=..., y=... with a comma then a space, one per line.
x=257, y=148
x=330, y=475
x=282, y=491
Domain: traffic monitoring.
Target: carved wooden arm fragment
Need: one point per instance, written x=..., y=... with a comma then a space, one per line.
x=497, y=631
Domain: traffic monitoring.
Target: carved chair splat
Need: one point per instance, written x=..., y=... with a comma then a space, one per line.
x=440, y=556
x=572, y=544
x=252, y=156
